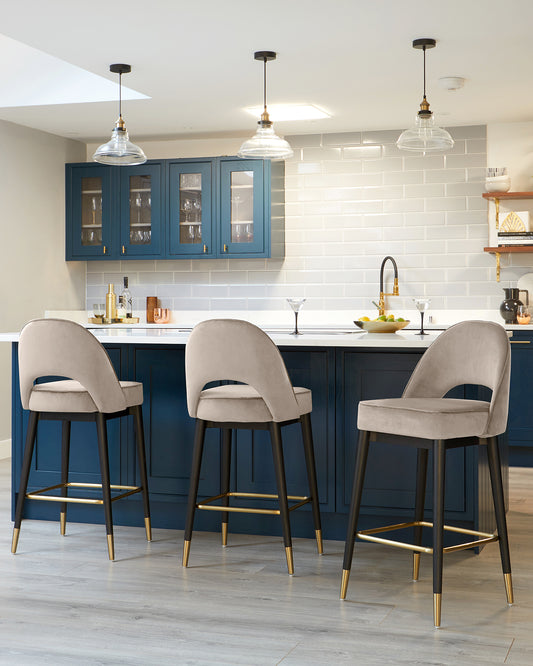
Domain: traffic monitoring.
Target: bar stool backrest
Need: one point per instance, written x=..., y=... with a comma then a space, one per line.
x=471, y=352
x=57, y=347
x=235, y=350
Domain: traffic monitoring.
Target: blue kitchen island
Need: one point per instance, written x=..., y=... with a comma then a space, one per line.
x=339, y=367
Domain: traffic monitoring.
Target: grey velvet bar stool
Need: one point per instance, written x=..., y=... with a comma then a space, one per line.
x=264, y=399
x=92, y=392
x=472, y=352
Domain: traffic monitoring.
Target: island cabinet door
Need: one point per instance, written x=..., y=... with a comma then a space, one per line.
x=84, y=462
x=520, y=423
x=168, y=428
x=389, y=487
x=253, y=469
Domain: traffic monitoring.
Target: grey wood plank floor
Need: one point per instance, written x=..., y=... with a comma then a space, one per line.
x=62, y=601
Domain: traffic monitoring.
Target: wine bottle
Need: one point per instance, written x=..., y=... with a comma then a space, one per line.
x=126, y=300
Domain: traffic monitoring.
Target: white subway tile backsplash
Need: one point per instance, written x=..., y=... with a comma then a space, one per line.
x=351, y=198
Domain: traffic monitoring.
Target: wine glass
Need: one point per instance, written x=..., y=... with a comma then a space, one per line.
x=99, y=310
x=138, y=205
x=422, y=304
x=523, y=314
x=187, y=208
x=296, y=304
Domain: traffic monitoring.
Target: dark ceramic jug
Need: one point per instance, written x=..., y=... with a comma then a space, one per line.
x=509, y=306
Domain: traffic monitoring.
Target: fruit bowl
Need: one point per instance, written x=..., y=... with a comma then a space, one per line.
x=381, y=326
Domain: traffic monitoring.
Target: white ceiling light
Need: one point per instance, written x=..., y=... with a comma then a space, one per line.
x=451, y=82
x=425, y=136
x=119, y=149
x=281, y=112
x=265, y=143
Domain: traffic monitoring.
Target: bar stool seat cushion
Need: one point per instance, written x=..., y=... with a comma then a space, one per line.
x=241, y=403
x=69, y=396
x=429, y=418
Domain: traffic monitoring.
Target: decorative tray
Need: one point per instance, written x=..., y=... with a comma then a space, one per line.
x=106, y=321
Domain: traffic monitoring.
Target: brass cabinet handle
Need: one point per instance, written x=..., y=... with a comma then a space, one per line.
x=105, y=249
x=123, y=250
x=225, y=247
x=205, y=248
x=520, y=342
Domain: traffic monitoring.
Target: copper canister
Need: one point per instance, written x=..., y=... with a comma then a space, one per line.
x=151, y=303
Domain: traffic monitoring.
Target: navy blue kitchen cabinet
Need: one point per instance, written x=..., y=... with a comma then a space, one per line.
x=215, y=207
x=338, y=377
x=114, y=212
x=520, y=425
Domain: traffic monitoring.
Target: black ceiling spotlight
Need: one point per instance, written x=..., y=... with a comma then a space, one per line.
x=119, y=150
x=425, y=136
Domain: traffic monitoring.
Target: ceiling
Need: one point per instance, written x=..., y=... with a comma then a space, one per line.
x=194, y=61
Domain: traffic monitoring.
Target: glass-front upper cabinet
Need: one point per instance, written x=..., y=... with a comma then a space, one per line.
x=89, y=198
x=140, y=210
x=242, y=218
x=190, y=210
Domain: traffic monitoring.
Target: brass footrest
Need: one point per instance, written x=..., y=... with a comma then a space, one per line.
x=37, y=494
x=206, y=504
x=367, y=535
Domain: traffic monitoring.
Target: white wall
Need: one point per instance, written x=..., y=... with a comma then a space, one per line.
x=34, y=276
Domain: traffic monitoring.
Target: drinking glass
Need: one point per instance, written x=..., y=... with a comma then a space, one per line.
x=99, y=310
x=523, y=315
x=296, y=304
x=422, y=304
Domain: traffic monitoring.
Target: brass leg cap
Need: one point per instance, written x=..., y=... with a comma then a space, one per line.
x=508, y=588
x=319, y=544
x=437, y=601
x=148, y=528
x=416, y=565
x=110, y=547
x=224, y=534
x=186, y=550
x=63, y=523
x=344, y=582
x=15, y=539
x=290, y=563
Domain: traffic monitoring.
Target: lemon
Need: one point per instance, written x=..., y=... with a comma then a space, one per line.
x=390, y=317
x=364, y=319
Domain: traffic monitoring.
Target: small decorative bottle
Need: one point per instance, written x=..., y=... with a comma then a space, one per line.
x=125, y=300
x=111, y=303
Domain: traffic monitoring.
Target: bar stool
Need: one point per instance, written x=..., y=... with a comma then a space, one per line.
x=473, y=352
x=92, y=392
x=230, y=349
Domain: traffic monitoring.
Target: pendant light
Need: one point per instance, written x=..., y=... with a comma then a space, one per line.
x=425, y=136
x=265, y=142
x=119, y=149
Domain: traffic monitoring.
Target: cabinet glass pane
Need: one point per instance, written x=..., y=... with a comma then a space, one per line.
x=140, y=210
x=242, y=206
x=91, y=211
x=190, y=201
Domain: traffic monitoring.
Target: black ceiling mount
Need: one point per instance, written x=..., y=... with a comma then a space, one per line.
x=424, y=42
x=120, y=69
x=265, y=55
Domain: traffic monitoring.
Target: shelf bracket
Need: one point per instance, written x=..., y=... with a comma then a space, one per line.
x=498, y=266
x=497, y=216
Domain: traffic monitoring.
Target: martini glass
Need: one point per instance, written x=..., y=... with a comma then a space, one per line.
x=296, y=304
x=422, y=304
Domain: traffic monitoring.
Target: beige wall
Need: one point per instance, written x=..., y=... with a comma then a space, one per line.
x=34, y=276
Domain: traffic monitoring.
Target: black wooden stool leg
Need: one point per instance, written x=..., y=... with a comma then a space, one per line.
x=225, y=480
x=355, y=504
x=439, y=475
x=199, y=435
x=307, y=435
x=499, y=509
x=421, y=475
x=141, y=455
x=101, y=428
x=24, y=476
x=279, y=468
x=65, y=453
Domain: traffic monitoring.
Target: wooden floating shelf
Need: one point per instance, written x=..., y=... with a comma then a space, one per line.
x=509, y=248
x=507, y=195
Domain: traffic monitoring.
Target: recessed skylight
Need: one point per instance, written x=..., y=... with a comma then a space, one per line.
x=33, y=78
x=280, y=112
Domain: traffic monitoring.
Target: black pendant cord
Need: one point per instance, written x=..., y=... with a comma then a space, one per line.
x=265, y=84
x=120, y=94
x=424, y=48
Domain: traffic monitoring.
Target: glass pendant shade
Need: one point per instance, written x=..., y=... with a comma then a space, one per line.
x=267, y=144
x=425, y=137
x=119, y=150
